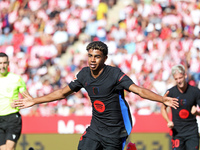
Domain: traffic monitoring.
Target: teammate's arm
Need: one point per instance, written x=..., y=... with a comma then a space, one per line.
x=164, y=113
x=147, y=94
x=53, y=96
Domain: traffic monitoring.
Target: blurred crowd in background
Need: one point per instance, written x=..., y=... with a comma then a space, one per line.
x=46, y=42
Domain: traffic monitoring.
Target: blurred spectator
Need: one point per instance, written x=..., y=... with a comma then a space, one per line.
x=64, y=109
x=7, y=37
x=46, y=41
x=91, y=28
x=102, y=9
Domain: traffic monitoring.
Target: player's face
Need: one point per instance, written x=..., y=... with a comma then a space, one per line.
x=3, y=66
x=180, y=79
x=96, y=60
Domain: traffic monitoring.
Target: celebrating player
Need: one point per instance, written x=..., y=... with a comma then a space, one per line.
x=111, y=119
x=184, y=124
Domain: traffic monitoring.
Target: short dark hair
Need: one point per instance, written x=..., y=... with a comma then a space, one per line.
x=98, y=45
x=3, y=54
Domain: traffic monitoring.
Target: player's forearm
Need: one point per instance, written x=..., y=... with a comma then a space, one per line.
x=147, y=94
x=164, y=113
x=56, y=95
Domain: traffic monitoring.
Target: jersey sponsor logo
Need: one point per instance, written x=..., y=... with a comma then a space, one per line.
x=184, y=114
x=99, y=106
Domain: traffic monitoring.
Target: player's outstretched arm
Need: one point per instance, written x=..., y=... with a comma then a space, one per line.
x=28, y=101
x=147, y=94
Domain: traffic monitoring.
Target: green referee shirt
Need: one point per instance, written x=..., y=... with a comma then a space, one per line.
x=10, y=87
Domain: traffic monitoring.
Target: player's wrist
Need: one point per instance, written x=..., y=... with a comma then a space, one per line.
x=163, y=101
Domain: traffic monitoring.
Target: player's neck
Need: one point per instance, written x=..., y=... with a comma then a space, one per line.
x=96, y=73
x=183, y=89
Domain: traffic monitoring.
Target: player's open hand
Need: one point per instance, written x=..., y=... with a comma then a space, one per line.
x=169, y=101
x=27, y=101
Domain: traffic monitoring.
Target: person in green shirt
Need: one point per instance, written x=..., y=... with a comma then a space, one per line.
x=10, y=118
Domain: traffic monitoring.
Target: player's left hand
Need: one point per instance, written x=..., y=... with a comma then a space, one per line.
x=169, y=101
x=170, y=124
x=194, y=110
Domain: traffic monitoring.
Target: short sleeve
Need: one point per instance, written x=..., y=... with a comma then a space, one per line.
x=124, y=82
x=76, y=84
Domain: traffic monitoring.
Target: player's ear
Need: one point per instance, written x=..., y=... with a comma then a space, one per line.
x=106, y=58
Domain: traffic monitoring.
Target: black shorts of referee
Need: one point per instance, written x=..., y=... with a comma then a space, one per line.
x=10, y=127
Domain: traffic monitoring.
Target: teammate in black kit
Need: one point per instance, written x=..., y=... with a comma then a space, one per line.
x=184, y=124
x=111, y=120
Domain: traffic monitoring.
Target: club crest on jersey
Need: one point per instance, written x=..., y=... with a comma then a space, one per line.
x=99, y=106
x=183, y=102
x=95, y=90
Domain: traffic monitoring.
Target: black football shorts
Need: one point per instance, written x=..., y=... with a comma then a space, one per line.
x=10, y=127
x=93, y=141
x=185, y=143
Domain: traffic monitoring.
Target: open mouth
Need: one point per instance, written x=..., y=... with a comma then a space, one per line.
x=92, y=65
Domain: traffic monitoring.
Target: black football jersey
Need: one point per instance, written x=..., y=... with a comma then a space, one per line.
x=110, y=114
x=185, y=123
